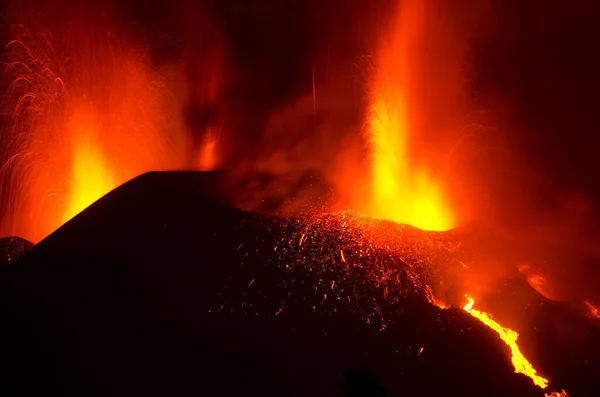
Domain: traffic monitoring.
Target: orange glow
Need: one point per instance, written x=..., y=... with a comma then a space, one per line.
x=593, y=311
x=91, y=177
x=561, y=393
x=402, y=191
x=88, y=113
x=538, y=282
x=509, y=337
x=208, y=152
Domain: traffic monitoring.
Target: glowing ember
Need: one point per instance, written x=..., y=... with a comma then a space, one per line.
x=355, y=257
x=509, y=337
x=401, y=191
x=562, y=393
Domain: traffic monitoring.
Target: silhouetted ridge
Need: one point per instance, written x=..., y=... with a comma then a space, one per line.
x=162, y=288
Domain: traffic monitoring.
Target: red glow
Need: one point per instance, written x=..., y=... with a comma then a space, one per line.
x=89, y=112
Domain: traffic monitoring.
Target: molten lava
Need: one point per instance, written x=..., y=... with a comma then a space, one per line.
x=402, y=191
x=91, y=177
x=509, y=337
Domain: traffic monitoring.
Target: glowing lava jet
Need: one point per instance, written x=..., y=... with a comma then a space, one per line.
x=91, y=176
x=401, y=191
x=85, y=112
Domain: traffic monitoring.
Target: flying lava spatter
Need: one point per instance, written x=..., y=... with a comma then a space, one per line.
x=85, y=112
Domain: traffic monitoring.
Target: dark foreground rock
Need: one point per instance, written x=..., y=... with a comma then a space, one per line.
x=12, y=248
x=160, y=288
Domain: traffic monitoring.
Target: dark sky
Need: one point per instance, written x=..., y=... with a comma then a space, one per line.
x=544, y=58
x=536, y=66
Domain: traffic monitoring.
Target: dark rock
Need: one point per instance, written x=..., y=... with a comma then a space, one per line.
x=12, y=248
x=162, y=288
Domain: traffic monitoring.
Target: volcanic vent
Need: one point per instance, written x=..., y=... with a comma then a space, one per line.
x=338, y=243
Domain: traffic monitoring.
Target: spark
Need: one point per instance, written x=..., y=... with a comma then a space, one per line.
x=302, y=239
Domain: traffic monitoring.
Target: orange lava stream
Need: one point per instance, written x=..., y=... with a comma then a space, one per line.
x=402, y=192
x=509, y=337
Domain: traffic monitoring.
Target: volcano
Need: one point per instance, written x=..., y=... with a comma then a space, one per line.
x=162, y=287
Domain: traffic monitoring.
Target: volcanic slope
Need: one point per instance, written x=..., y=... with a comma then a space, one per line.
x=162, y=288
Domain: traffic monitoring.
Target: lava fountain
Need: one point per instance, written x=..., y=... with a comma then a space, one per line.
x=402, y=190
x=91, y=176
x=84, y=112
x=418, y=78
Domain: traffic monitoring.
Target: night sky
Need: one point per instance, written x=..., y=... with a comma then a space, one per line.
x=534, y=67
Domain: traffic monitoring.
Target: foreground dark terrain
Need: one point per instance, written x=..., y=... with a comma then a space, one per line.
x=162, y=289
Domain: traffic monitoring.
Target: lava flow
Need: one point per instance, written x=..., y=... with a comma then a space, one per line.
x=509, y=337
